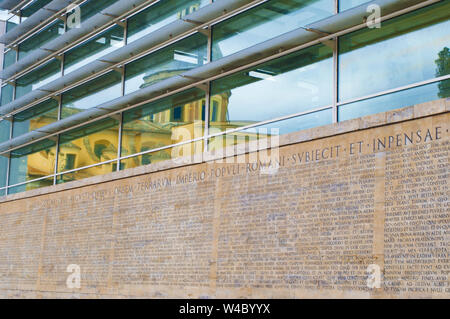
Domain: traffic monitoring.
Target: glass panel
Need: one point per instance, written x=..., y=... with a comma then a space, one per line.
x=95, y=48
x=159, y=15
x=47, y=34
x=88, y=172
x=404, y=50
x=395, y=100
x=302, y=81
x=165, y=122
x=38, y=116
x=38, y=77
x=303, y=122
x=93, y=93
x=30, y=186
x=2, y=192
x=33, y=7
x=188, y=149
x=91, y=8
x=347, y=4
x=5, y=127
x=265, y=22
x=9, y=58
x=12, y=22
x=7, y=94
x=32, y=162
x=172, y=60
x=89, y=145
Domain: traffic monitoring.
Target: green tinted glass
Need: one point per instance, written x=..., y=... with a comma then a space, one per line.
x=87, y=10
x=347, y=4
x=92, y=50
x=404, y=50
x=33, y=118
x=265, y=22
x=33, y=7
x=296, y=83
x=9, y=58
x=5, y=127
x=47, y=34
x=171, y=120
x=38, y=77
x=31, y=185
x=12, y=22
x=88, y=145
x=172, y=60
x=90, y=94
x=159, y=15
x=32, y=162
x=7, y=94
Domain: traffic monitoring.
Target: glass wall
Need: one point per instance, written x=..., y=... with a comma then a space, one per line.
x=4, y=136
x=348, y=4
x=265, y=22
x=9, y=58
x=33, y=162
x=38, y=116
x=170, y=61
x=91, y=8
x=92, y=93
x=38, y=77
x=405, y=62
x=93, y=49
x=47, y=34
x=7, y=94
x=86, y=146
x=403, y=51
x=32, y=8
x=172, y=120
x=160, y=14
x=292, y=84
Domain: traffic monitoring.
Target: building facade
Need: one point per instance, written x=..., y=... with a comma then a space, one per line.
x=114, y=119
x=59, y=70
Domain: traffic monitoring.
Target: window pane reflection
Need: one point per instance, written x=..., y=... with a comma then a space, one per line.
x=93, y=93
x=38, y=77
x=32, y=162
x=395, y=100
x=404, y=50
x=88, y=145
x=265, y=22
x=38, y=116
x=159, y=15
x=267, y=130
x=296, y=83
x=162, y=123
x=170, y=61
x=95, y=48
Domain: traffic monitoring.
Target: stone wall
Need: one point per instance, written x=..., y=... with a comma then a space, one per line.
x=337, y=205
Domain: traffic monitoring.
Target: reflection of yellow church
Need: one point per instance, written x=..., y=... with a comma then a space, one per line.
x=175, y=124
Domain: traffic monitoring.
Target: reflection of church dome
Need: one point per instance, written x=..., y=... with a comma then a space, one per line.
x=159, y=76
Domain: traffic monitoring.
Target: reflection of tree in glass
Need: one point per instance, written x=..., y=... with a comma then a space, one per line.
x=443, y=68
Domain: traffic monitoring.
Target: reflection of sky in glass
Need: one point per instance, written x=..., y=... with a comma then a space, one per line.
x=347, y=4
x=295, y=124
x=392, y=63
x=274, y=27
x=388, y=102
x=164, y=20
x=89, y=58
x=292, y=92
x=97, y=98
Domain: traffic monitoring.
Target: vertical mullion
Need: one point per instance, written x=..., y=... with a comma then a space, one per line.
x=55, y=171
x=335, y=69
x=119, y=147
